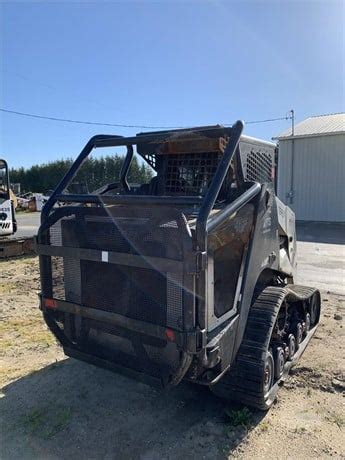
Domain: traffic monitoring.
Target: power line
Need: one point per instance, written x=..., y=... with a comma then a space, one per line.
x=65, y=120
x=118, y=125
x=268, y=120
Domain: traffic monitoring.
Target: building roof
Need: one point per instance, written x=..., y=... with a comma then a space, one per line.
x=317, y=126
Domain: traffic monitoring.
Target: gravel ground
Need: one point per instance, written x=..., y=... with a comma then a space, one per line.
x=57, y=408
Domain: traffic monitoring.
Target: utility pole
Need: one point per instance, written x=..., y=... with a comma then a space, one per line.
x=292, y=192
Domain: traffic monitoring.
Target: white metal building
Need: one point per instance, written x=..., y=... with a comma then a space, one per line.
x=311, y=168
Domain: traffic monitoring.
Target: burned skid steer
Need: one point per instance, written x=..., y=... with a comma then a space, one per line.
x=187, y=277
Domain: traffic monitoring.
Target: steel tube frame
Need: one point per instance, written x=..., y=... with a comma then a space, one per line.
x=233, y=207
x=73, y=171
x=160, y=264
x=131, y=199
x=216, y=185
x=125, y=168
x=207, y=202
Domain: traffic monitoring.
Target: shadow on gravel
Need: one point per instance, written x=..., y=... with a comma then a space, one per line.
x=71, y=410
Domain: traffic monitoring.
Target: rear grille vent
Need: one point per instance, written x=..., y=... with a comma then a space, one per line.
x=259, y=166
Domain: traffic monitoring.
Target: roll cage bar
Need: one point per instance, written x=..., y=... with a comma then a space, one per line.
x=203, y=223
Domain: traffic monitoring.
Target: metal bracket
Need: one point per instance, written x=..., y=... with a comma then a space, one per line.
x=196, y=263
x=194, y=341
x=201, y=261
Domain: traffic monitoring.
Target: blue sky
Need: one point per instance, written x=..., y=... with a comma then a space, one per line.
x=163, y=63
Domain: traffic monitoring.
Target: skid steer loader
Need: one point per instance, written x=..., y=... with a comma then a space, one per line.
x=8, y=223
x=188, y=277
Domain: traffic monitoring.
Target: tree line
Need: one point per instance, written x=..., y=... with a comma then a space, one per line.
x=95, y=172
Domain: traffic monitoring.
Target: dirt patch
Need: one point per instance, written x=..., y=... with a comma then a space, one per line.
x=56, y=408
x=26, y=344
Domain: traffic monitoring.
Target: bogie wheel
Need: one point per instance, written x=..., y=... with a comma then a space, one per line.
x=307, y=324
x=279, y=362
x=292, y=346
x=268, y=372
x=315, y=305
x=298, y=333
x=253, y=374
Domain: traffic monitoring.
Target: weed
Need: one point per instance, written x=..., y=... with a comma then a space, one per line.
x=309, y=392
x=339, y=420
x=8, y=288
x=47, y=421
x=61, y=420
x=34, y=420
x=240, y=417
x=264, y=426
x=5, y=344
x=300, y=430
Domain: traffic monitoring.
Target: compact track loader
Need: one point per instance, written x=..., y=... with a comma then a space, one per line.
x=188, y=277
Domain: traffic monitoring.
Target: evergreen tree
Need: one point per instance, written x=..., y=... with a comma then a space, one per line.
x=95, y=172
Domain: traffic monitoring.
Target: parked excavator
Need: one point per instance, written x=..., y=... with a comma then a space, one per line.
x=188, y=277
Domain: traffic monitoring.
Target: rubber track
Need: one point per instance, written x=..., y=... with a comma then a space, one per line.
x=244, y=383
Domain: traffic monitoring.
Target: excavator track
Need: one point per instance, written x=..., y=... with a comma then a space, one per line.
x=280, y=324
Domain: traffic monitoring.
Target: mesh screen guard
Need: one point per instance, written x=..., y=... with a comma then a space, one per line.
x=188, y=174
x=145, y=294
x=139, y=293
